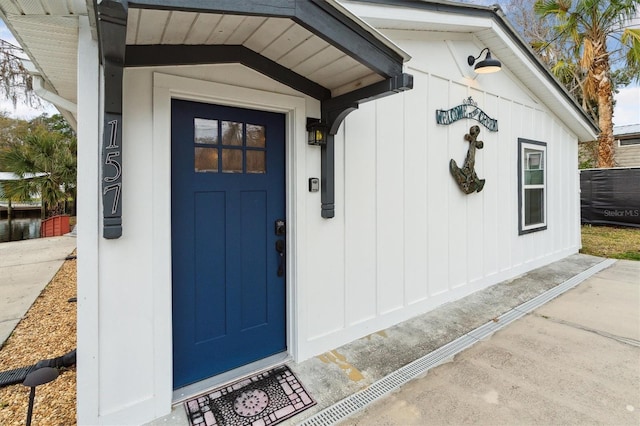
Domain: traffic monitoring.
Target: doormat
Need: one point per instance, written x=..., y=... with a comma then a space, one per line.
x=261, y=400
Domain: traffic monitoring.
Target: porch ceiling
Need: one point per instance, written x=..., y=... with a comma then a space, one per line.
x=280, y=40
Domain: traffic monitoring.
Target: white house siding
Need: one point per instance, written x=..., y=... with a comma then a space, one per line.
x=627, y=156
x=405, y=238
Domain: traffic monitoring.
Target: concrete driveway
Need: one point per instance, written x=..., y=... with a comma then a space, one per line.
x=26, y=267
x=575, y=360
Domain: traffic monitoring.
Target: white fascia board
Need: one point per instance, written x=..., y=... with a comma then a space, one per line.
x=398, y=17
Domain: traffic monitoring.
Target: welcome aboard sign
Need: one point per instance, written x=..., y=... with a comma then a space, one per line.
x=468, y=109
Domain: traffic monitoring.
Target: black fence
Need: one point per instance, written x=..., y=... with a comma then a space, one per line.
x=610, y=196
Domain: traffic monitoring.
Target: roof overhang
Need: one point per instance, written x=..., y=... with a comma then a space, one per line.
x=313, y=46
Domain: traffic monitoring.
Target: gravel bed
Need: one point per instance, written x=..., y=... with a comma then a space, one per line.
x=48, y=330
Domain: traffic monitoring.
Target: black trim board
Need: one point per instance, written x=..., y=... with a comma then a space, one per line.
x=347, y=36
x=327, y=178
x=334, y=110
x=270, y=8
x=112, y=30
x=161, y=55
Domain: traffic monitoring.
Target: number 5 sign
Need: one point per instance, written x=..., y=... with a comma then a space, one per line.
x=112, y=176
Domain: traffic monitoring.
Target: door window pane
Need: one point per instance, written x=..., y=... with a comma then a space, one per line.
x=231, y=161
x=205, y=131
x=255, y=136
x=229, y=146
x=256, y=162
x=206, y=159
x=231, y=133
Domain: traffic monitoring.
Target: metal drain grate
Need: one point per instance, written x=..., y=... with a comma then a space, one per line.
x=356, y=402
x=12, y=377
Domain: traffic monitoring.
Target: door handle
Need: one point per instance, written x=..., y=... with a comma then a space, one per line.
x=281, y=249
x=280, y=227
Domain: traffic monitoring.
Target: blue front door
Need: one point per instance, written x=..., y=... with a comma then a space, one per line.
x=227, y=192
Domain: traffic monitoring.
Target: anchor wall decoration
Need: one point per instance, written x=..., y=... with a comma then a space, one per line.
x=466, y=176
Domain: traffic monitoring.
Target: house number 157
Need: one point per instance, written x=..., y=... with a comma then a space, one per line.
x=112, y=180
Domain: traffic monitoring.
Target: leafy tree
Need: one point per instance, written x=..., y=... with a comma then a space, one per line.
x=15, y=82
x=55, y=123
x=558, y=55
x=11, y=130
x=45, y=162
x=596, y=34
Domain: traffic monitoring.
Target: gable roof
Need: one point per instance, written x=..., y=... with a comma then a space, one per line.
x=490, y=26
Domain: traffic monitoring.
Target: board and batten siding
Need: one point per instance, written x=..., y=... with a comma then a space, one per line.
x=405, y=238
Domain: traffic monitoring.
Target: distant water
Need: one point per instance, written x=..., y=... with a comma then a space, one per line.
x=21, y=229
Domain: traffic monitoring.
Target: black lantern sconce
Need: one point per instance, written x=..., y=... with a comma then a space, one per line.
x=317, y=132
x=487, y=66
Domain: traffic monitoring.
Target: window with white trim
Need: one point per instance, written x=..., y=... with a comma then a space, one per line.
x=628, y=141
x=532, y=185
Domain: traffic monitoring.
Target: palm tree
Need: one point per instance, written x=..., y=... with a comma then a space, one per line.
x=45, y=163
x=596, y=29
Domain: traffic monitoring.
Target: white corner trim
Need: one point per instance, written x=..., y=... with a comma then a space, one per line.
x=88, y=239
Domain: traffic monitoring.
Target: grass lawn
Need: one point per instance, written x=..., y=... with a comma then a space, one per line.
x=608, y=241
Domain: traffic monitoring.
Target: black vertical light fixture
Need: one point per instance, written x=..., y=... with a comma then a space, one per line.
x=317, y=131
x=488, y=65
x=34, y=379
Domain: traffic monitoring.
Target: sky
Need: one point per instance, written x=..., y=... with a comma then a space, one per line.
x=626, y=110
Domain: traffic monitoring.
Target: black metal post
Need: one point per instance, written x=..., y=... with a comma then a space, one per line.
x=9, y=218
x=327, y=178
x=36, y=378
x=32, y=397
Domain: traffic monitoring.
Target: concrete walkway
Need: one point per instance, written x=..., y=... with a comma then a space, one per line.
x=530, y=372
x=575, y=360
x=26, y=267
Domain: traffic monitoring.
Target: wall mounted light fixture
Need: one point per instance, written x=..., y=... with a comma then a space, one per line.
x=317, y=132
x=487, y=66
